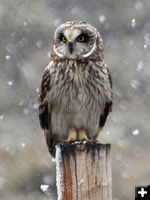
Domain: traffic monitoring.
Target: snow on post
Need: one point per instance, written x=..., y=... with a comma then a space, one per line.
x=83, y=171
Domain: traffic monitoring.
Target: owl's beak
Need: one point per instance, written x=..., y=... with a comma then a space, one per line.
x=70, y=45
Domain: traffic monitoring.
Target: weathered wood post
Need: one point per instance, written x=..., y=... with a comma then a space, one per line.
x=83, y=171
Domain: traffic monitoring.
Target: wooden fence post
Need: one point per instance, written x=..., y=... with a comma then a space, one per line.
x=83, y=171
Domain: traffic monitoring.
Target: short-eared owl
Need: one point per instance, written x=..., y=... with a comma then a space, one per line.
x=76, y=89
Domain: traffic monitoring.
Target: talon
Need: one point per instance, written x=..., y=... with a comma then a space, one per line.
x=82, y=135
x=72, y=136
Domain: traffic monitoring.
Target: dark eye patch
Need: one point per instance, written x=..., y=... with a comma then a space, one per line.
x=85, y=36
x=62, y=37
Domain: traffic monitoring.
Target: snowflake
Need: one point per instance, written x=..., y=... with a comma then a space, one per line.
x=102, y=18
x=133, y=22
x=135, y=132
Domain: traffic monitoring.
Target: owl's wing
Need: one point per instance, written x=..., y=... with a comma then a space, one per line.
x=44, y=107
x=43, y=99
x=109, y=100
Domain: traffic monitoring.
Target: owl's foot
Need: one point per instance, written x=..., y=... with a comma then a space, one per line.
x=82, y=135
x=72, y=136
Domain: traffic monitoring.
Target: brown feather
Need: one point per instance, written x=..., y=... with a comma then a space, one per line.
x=75, y=94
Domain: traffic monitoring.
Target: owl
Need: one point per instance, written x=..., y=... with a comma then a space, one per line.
x=76, y=89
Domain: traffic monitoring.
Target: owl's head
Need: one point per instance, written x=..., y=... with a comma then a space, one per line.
x=76, y=40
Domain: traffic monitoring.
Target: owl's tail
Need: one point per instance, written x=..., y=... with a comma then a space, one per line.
x=51, y=142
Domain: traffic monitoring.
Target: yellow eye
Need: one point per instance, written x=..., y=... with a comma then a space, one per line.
x=80, y=38
x=63, y=39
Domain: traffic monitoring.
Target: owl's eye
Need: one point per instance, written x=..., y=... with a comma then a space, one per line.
x=63, y=38
x=80, y=38
x=83, y=38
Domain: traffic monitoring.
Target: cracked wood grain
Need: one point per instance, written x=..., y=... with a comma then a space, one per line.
x=85, y=170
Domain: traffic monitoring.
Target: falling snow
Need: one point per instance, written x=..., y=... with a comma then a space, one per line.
x=21, y=103
x=25, y=23
x=10, y=83
x=1, y=116
x=37, y=90
x=44, y=188
x=39, y=44
x=147, y=40
x=25, y=46
x=140, y=66
x=133, y=22
x=138, y=5
x=124, y=174
x=35, y=106
x=26, y=111
x=49, y=54
x=102, y=18
x=23, y=144
x=7, y=57
x=135, y=84
x=136, y=132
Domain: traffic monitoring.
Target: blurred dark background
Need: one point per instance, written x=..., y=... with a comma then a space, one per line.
x=26, y=34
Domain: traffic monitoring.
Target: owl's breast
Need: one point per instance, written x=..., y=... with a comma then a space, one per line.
x=75, y=88
x=79, y=92
x=69, y=92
